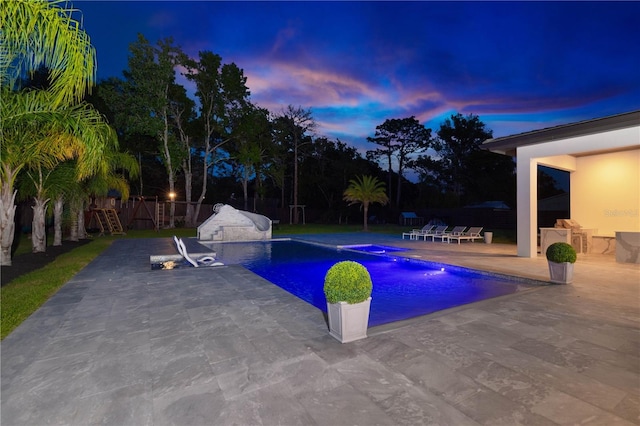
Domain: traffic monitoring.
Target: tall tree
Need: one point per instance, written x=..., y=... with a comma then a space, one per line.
x=276, y=167
x=150, y=77
x=251, y=142
x=365, y=190
x=45, y=125
x=182, y=113
x=457, y=146
x=399, y=140
x=294, y=123
x=223, y=95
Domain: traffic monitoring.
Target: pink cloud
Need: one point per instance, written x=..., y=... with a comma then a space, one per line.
x=283, y=83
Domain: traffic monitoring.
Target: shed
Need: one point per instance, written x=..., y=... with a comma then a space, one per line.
x=410, y=219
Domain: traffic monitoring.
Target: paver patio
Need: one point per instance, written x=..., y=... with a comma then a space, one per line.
x=123, y=345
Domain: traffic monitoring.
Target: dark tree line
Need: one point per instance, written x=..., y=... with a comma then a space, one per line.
x=219, y=143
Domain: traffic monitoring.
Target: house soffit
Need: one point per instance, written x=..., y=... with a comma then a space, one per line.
x=508, y=144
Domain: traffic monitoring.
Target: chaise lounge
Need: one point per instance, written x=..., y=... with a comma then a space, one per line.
x=440, y=230
x=472, y=234
x=457, y=230
x=202, y=261
x=414, y=234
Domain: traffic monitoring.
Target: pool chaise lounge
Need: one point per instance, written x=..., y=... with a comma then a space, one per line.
x=457, y=230
x=201, y=261
x=414, y=234
x=439, y=230
x=472, y=234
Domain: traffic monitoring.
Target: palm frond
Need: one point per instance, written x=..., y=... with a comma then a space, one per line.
x=39, y=33
x=365, y=190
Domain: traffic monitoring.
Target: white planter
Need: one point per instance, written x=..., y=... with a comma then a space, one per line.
x=561, y=273
x=348, y=322
x=488, y=237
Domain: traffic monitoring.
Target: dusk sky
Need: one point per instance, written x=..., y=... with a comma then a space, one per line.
x=519, y=66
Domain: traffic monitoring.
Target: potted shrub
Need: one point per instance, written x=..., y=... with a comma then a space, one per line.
x=347, y=287
x=561, y=257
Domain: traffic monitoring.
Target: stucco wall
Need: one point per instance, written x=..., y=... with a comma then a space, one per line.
x=605, y=192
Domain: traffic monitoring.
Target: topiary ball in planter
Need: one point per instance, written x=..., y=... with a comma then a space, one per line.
x=561, y=257
x=347, y=287
x=347, y=281
x=561, y=253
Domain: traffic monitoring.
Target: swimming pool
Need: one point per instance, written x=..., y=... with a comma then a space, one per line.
x=375, y=248
x=402, y=288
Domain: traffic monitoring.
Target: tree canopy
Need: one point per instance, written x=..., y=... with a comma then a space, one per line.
x=460, y=166
x=399, y=139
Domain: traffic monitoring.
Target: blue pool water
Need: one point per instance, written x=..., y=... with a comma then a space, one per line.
x=373, y=248
x=402, y=288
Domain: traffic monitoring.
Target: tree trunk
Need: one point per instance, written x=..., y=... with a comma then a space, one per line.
x=245, y=187
x=205, y=170
x=189, y=219
x=365, y=208
x=140, y=175
x=7, y=224
x=282, y=206
x=57, y=220
x=389, y=174
x=73, y=230
x=82, y=231
x=203, y=192
x=169, y=166
x=295, y=183
x=38, y=229
x=399, y=188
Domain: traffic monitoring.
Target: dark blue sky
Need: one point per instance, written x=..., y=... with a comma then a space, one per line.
x=520, y=66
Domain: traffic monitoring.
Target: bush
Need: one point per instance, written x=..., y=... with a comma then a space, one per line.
x=561, y=253
x=347, y=281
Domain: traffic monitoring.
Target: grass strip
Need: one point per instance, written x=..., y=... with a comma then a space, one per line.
x=24, y=295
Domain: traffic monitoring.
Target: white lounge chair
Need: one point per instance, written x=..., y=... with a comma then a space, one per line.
x=439, y=230
x=414, y=234
x=457, y=230
x=201, y=261
x=472, y=234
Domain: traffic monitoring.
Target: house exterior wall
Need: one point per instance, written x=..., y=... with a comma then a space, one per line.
x=605, y=192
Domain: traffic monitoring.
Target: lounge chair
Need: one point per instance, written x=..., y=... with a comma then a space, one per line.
x=201, y=261
x=472, y=234
x=458, y=230
x=435, y=232
x=414, y=234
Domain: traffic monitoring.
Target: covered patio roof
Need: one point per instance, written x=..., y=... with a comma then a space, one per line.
x=572, y=147
x=508, y=145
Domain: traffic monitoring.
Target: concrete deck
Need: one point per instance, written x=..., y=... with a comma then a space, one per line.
x=123, y=345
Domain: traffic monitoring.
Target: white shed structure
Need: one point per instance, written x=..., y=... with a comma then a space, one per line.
x=603, y=158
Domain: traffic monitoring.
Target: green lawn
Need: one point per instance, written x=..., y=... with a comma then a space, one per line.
x=24, y=295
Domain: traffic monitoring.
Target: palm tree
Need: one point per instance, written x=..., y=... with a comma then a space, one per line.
x=63, y=185
x=365, y=190
x=41, y=127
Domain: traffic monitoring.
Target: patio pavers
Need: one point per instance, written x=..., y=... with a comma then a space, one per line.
x=123, y=345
